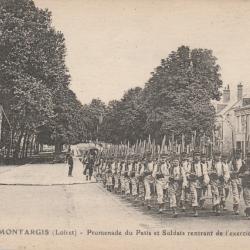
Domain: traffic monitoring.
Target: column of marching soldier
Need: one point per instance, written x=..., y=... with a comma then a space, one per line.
x=179, y=180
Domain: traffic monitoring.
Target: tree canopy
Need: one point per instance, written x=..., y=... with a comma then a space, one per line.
x=175, y=100
x=34, y=79
x=35, y=93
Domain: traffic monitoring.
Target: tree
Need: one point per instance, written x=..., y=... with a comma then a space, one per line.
x=34, y=79
x=125, y=118
x=93, y=114
x=179, y=93
x=176, y=100
x=25, y=98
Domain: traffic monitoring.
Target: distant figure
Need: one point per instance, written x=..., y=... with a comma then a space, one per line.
x=89, y=163
x=70, y=162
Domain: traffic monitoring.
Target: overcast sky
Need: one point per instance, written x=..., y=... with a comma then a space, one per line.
x=114, y=45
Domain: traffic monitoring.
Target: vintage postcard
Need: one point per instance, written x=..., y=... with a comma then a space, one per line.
x=124, y=124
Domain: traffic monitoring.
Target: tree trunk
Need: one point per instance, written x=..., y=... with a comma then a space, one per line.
x=32, y=144
x=17, y=147
x=27, y=145
x=9, y=147
x=36, y=147
x=24, y=145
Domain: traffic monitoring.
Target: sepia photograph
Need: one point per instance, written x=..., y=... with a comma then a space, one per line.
x=124, y=124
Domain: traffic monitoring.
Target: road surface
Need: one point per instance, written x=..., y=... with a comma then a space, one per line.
x=71, y=213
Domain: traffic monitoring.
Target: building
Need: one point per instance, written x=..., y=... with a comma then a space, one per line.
x=233, y=121
x=242, y=133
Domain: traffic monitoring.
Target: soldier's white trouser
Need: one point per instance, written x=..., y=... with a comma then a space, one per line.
x=246, y=196
x=160, y=185
x=127, y=186
x=174, y=193
x=194, y=194
x=141, y=189
x=134, y=185
x=236, y=190
x=197, y=193
x=184, y=194
x=218, y=192
x=122, y=183
x=147, y=189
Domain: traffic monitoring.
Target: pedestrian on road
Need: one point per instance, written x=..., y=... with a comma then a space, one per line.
x=70, y=163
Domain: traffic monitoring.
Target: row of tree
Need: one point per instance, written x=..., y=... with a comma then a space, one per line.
x=176, y=101
x=40, y=108
x=34, y=82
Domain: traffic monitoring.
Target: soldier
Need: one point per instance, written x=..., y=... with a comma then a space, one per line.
x=122, y=178
x=117, y=175
x=235, y=166
x=109, y=175
x=244, y=174
x=175, y=184
x=90, y=165
x=204, y=180
x=89, y=161
x=133, y=178
x=166, y=159
x=209, y=163
x=103, y=172
x=161, y=175
x=186, y=168
x=198, y=178
x=140, y=178
x=148, y=180
x=114, y=171
x=98, y=166
x=218, y=175
x=226, y=170
x=126, y=177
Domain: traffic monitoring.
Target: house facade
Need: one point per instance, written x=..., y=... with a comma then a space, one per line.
x=233, y=122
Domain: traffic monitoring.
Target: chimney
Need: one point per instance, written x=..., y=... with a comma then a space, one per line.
x=226, y=94
x=239, y=91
